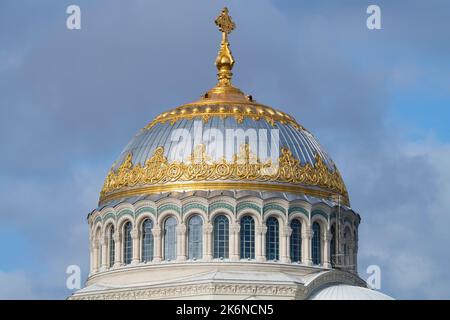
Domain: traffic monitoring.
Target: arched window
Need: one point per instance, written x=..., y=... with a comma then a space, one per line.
x=333, y=245
x=147, y=240
x=272, y=239
x=127, y=243
x=247, y=238
x=112, y=246
x=195, y=237
x=296, y=241
x=221, y=237
x=316, y=254
x=170, y=239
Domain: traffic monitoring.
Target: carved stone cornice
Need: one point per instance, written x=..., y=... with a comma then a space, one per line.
x=268, y=290
x=287, y=291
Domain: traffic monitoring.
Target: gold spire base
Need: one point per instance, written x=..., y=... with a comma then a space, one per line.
x=225, y=93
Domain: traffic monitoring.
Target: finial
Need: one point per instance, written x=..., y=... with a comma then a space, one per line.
x=224, y=90
x=224, y=60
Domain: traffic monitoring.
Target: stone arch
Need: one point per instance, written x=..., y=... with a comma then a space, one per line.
x=277, y=214
x=222, y=211
x=106, y=225
x=323, y=223
x=194, y=212
x=142, y=217
x=97, y=236
x=167, y=206
x=95, y=228
x=321, y=220
x=302, y=218
x=250, y=212
x=166, y=214
x=123, y=219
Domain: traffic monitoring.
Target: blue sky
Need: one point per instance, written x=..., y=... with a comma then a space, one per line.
x=377, y=100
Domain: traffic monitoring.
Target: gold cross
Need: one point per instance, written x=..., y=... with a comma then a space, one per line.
x=224, y=22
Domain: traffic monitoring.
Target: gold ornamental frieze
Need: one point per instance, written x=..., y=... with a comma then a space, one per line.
x=244, y=168
x=206, y=110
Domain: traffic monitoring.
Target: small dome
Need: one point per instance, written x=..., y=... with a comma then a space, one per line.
x=347, y=292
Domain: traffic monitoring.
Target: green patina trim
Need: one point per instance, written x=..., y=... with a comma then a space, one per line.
x=194, y=205
x=99, y=218
x=109, y=215
x=220, y=205
x=298, y=209
x=166, y=207
x=248, y=205
x=274, y=206
x=143, y=210
x=319, y=212
x=125, y=212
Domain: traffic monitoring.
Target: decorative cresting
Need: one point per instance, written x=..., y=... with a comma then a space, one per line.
x=206, y=110
x=225, y=100
x=245, y=167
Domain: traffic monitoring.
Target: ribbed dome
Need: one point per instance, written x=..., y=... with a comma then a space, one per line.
x=224, y=141
x=347, y=292
x=303, y=144
x=186, y=153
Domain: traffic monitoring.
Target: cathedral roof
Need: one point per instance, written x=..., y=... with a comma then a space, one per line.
x=224, y=141
x=348, y=292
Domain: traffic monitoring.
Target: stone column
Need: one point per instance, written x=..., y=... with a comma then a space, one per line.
x=234, y=243
x=181, y=242
x=326, y=249
x=91, y=255
x=156, y=232
x=306, y=250
x=94, y=256
x=351, y=252
x=135, y=237
x=207, y=241
x=285, y=244
x=117, y=249
x=91, y=260
x=104, y=254
x=260, y=243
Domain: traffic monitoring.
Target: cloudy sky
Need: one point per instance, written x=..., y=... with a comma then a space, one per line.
x=377, y=100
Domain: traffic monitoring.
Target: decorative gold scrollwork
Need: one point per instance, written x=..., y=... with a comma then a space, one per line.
x=245, y=166
x=239, y=111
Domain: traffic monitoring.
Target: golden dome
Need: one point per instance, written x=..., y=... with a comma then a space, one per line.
x=151, y=163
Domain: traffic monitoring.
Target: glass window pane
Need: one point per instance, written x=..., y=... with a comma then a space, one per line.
x=147, y=241
x=272, y=239
x=127, y=243
x=170, y=239
x=195, y=237
x=247, y=238
x=296, y=241
x=221, y=225
x=316, y=251
x=112, y=246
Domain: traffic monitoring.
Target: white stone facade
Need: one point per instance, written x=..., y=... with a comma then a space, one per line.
x=159, y=273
